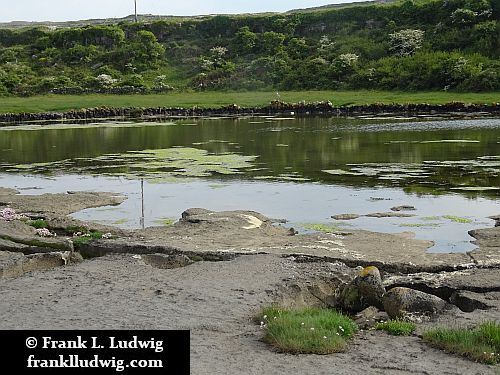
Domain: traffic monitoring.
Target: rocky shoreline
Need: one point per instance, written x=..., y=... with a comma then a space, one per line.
x=275, y=108
x=211, y=272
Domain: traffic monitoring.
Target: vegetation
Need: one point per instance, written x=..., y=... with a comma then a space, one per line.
x=38, y=223
x=396, y=327
x=458, y=219
x=308, y=330
x=406, y=45
x=245, y=99
x=86, y=237
x=481, y=344
x=325, y=228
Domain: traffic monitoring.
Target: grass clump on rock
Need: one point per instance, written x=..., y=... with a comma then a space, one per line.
x=481, y=344
x=38, y=223
x=83, y=239
x=396, y=327
x=307, y=330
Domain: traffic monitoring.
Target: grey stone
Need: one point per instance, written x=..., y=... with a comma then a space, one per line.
x=11, y=264
x=6, y=245
x=346, y=216
x=16, y=264
x=365, y=290
x=164, y=261
x=388, y=214
x=403, y=208
x=470, y=301
x=405, y=302
x=497, y=219
x=369, y=283
x=370, y=316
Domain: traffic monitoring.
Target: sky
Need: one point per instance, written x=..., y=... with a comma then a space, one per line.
x=67, y=10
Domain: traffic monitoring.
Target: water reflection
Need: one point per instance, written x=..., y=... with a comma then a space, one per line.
x=443, y=168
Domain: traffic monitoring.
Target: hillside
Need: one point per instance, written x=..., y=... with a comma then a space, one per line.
x=411, y=45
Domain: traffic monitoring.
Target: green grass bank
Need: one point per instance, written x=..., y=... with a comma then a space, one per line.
x=48, y=103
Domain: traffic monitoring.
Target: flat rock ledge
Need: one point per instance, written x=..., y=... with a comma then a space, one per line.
x=224, y=235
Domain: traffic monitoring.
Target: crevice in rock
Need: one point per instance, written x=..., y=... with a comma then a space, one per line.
x=395, y=268
x=99, y=248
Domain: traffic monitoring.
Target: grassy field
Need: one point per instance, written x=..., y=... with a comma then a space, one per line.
x=244, y=99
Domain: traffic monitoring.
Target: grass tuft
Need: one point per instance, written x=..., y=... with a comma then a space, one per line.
x=480, y=344
x=325, y=228
x=396, y=327
x=80, y=240
x=308, y=330
x=38, y=223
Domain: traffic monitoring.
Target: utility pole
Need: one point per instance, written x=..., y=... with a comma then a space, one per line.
x=135, y=4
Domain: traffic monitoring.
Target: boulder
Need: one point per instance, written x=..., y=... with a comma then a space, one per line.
x=365, y=290
x=403, y=208
x=388, y=214
x=497, y=220
x=404, y=303
x=346, y=216
x=370, y=285
x=164, y=261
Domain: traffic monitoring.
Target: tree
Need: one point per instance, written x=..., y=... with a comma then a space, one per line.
x=406, y=42
x=245, y=40
x=272, y=42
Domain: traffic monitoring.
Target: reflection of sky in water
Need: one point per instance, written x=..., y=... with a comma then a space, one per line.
x=298, y=203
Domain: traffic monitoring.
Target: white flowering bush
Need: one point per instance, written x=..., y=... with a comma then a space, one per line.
x=161, y=84
x=326, y=46
x=347, y=60
x=406, y=42
x=214, y=60
x=105, y=81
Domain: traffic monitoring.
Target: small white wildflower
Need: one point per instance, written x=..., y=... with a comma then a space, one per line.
x=275, y=318
x=338, y=334
x=44, y=232
x=107, y=236
x=325, y=337
x=312, y=328
x=265, y=316
x=302, y=323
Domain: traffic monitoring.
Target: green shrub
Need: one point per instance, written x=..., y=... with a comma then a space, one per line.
x=38, y=223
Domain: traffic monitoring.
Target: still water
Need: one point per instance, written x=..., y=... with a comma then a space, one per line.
x=304, y=170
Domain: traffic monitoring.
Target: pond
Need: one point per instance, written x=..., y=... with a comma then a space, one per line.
x=303, y=169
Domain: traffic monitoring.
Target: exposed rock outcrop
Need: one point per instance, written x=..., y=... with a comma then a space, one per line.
x=406, y=303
